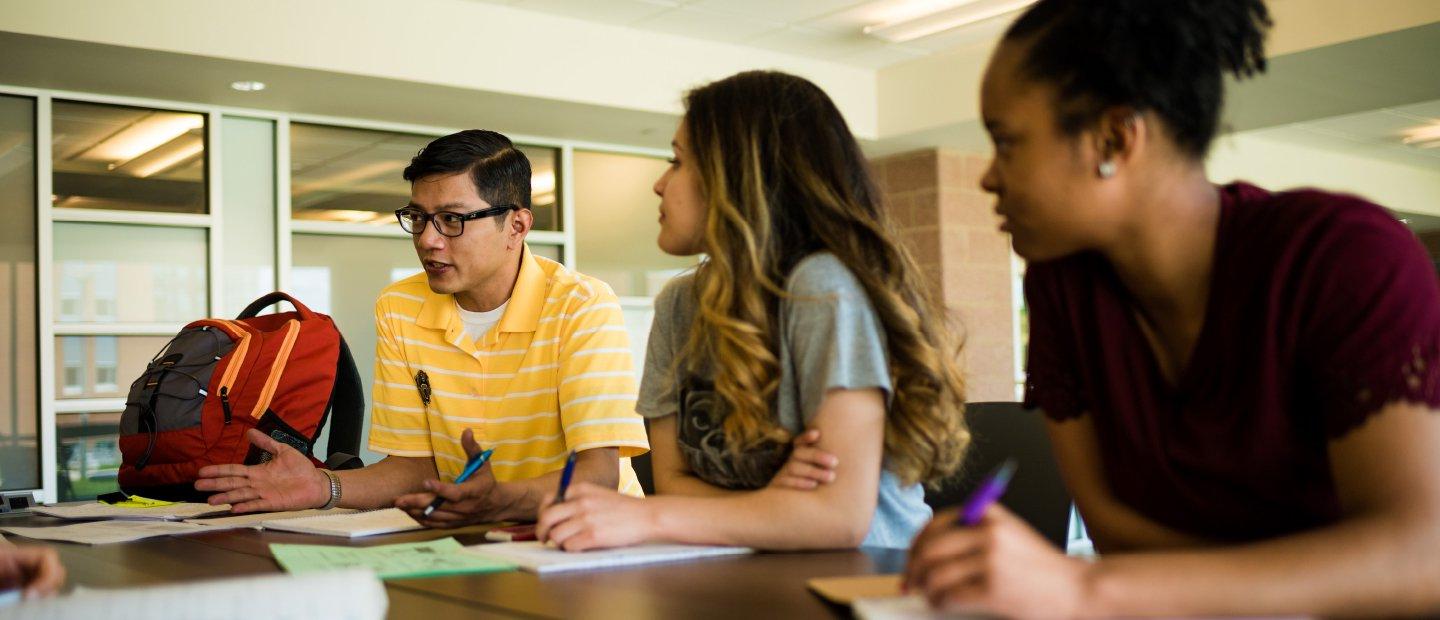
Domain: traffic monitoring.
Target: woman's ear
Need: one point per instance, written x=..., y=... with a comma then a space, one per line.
x=1120, y=134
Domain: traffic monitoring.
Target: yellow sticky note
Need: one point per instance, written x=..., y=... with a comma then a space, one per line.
x=136, y=501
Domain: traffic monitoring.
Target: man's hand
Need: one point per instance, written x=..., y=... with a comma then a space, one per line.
x=477, y=500
x=289, y=481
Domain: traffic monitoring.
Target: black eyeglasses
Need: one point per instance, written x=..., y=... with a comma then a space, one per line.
x=413, y=220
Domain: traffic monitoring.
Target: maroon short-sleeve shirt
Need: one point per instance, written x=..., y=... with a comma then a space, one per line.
x=1322, y=309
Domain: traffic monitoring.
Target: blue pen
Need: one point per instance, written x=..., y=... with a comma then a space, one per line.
x=987, y=493
x=474, y=465
x=565, y=477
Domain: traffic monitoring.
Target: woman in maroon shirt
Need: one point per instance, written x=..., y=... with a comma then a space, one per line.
x=1241, y=384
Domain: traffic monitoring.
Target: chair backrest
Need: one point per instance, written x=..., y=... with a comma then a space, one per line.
x=641, y=465
x=1003, y=430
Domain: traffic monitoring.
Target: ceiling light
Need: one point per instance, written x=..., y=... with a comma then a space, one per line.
x=248, y=86
x=170, y=155
x=1425, y=137
x=142, y=137
x=946, y=16
x=542, y=183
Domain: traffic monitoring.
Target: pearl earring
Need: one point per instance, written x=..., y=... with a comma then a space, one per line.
x=1106, y=169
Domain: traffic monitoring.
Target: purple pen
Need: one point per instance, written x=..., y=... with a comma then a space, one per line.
x=987, y=493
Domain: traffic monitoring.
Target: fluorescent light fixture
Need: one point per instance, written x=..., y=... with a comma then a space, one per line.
x=172, y=154
x=248, y=86
x=945, y=16
x=142, y=137
x=542, y=183
x=1424, y=137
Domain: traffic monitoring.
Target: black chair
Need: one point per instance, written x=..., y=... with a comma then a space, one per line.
x=641, y=465
x=1003, y=430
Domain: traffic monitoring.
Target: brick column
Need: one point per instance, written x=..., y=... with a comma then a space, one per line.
x=951, y=227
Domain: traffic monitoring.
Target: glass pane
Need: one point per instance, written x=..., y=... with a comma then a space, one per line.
x=552, y=252
x=134, y=159
x=248, y=167
x=163, y=270
x=342, y=276
x=88, y=455
x=101, y=366
x=544, y=177
x=19, y=407
x=342, y=174
x=616, y=223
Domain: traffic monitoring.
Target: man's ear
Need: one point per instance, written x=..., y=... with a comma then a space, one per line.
x=520, y=222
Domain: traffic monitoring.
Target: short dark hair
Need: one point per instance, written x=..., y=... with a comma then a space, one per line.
x=501, y=172
x=1161, y=56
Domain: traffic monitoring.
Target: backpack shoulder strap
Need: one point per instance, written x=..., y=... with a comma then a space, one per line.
x=346, y=410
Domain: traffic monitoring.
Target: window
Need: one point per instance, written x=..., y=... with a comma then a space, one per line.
x=133, y=159
x=88, y=459
x=72, y=360
x=106, y=366
x=163, y=271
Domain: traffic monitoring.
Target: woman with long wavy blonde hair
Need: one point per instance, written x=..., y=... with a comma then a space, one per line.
x=801, y=383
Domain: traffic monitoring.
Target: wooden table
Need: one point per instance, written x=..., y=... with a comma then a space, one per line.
x=747, y=587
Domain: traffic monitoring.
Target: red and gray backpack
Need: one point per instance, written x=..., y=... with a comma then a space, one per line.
x=286, y=374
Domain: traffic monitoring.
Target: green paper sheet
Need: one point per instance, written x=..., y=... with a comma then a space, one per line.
x=433, y=558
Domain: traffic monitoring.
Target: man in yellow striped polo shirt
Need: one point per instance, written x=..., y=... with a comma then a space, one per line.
x=491, y=347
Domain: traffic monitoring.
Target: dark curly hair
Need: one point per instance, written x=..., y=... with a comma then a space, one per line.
x=1161, y=56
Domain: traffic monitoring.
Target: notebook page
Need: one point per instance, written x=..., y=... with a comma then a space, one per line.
x=348, y=595
x=256, y=519
x=349, y=525
x=537, y=557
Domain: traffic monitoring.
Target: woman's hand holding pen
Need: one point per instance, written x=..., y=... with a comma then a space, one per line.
x=999, y=565
x=594, y=517
x=478, y=499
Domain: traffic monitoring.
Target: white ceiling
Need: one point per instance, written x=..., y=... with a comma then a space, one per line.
x=1374, y=134
x=822, y=29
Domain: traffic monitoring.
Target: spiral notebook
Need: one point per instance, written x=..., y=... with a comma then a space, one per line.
x=351, y=525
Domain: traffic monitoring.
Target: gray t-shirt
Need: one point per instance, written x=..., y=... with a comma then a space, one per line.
x=831, y=338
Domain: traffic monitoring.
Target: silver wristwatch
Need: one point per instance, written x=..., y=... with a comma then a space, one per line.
x=334, y=489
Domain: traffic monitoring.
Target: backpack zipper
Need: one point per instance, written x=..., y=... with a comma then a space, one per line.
x=225, y=403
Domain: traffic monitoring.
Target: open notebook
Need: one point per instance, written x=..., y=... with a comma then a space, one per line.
x=538, y=558
x=349, y=525
x=354, y=595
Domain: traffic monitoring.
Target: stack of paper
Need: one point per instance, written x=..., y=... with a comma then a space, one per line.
x=105, y=532
x=433, y=558
x=162, y=512
x=353, y=595
x=538, y=558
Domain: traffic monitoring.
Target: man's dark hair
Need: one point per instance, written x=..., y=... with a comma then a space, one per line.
x=501, y=172
x=1161, y=56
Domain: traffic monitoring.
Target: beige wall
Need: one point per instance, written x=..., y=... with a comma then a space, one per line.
x=1280, y=165
x=950, y=226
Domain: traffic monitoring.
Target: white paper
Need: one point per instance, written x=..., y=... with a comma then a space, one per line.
x=255, y=519
x=538, y=558
x=106, y=532
x=912, y=607
x=346, y=595
x=98, y=510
